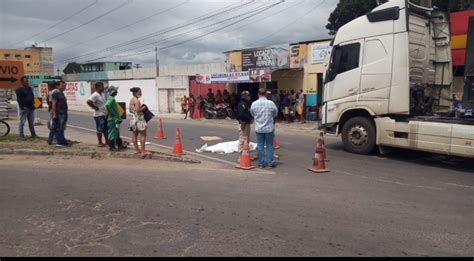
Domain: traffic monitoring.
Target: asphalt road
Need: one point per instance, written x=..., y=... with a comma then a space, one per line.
x=405, y=204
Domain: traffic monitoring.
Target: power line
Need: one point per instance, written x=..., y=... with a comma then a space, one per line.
x=129, y=25
x=289, y=24
x=196, y=29
x=169, y=29
x=88, y=22
x=216, y=30
x=60, y=22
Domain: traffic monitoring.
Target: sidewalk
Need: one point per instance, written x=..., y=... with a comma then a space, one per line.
x=83, y=144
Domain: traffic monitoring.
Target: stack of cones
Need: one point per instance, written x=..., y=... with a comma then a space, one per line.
x=245, y=161
x=319, y=161
x=159, y=135
x=178, y=147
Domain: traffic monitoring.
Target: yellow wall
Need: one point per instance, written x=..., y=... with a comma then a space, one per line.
x=311, y=72
x=32, y=65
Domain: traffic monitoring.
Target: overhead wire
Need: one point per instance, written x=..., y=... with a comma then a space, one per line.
x=289, y=24
x=90, y=21
x=127, y=26
x=207, y=16
x=58, y=23
x=213, y=31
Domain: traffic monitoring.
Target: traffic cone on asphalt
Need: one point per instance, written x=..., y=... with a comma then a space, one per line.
x=178, y=147
x=275, y=143
x=319, y=165
x=159, y=135
x=321, y=135
x=245, y=161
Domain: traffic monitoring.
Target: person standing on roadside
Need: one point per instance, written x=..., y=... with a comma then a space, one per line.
x=191, y=101
x=26, y=100
x=97, y=103
x=211, y=99
x=245, y=119
x=53, y=87
x=113, y=120
x=60, y=114
x=264, y=113
x=138, y=125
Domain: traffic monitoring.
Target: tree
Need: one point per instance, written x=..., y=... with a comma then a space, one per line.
x=348, y=10
x=72, y=68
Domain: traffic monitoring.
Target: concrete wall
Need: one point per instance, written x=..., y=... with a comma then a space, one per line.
x=289, y=79
x=170, y=90
x=191, y=69
x=148, y=90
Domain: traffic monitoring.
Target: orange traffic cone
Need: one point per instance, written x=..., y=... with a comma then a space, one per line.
x=178, y=147
x=321, y=135
x=275, y=143
x=245, y=161
x=159, y=133
x=319, y=165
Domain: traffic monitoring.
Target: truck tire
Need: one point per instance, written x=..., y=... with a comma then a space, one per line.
x=358, y=136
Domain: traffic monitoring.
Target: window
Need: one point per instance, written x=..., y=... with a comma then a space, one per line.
x=344, y=58
x=389, y=14
x=17, y=55
x=7, y=55
x=27, y=56
x=27, y=65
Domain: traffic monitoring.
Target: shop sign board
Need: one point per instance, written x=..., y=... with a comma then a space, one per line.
x=298, y=56
x=320, y=52
x=252, y=75
x=10, y=74
x=230, y=77
x=71, y=90
x=234, y=61
x=203, y=79
x=276, y=57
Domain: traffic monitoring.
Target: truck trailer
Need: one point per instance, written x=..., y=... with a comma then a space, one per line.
x=388, y=83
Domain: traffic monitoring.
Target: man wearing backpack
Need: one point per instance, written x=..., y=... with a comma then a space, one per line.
x=245, y=118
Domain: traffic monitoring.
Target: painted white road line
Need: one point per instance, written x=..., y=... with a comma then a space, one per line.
x=187, y=152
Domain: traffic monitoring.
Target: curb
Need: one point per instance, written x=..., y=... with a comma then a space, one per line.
x=96, y=155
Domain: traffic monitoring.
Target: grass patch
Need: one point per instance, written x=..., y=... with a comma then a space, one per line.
x=11, y=137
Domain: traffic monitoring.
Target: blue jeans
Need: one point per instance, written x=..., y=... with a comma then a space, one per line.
x=265, y=139
x=52, y=133
x=24, y=115
x=62, y=122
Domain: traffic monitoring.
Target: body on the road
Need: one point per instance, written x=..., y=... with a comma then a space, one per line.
x=97, y=103
x=60, y=114
x=25, y=99
x=264, y=113
x=138, y=124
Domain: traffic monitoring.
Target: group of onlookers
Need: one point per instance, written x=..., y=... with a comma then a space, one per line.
x=290, y=104
x=106, y=115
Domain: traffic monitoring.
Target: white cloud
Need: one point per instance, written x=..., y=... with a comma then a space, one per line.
x=20, y=19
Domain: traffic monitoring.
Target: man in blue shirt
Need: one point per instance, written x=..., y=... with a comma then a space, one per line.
x=264, y=112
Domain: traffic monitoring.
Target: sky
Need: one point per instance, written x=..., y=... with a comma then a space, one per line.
x=184, y=31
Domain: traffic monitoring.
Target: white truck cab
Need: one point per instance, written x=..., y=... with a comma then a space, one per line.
x=386, y=78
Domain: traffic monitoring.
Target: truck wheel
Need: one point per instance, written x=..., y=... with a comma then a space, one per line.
x=358, y=136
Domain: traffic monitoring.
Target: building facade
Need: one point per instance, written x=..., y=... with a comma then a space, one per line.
x=105, y=66
x=36, y=60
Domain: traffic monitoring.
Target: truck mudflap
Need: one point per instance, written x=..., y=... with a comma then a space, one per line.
x=443, y=138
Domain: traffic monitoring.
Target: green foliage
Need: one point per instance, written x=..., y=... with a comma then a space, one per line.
x=348, y=10
x=72, y=68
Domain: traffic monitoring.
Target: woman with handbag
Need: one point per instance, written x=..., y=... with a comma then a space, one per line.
x=138, y=124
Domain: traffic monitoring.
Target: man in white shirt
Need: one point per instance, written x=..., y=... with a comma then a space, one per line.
x=264, y=113
x=97, y=103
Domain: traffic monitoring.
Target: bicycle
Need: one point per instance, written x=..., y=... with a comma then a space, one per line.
x=4, y=128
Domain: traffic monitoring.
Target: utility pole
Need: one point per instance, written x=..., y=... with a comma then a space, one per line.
x=157, y=62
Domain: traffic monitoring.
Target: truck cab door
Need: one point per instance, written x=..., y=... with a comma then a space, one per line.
x=343, y=76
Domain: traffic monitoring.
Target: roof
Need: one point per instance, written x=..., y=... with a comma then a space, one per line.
x=306, y=42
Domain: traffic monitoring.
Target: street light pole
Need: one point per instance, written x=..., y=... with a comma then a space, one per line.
x=157, y=62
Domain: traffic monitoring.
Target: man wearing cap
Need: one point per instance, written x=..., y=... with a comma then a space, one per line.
x=244, y=117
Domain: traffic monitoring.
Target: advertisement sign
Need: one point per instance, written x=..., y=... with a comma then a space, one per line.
x=234, y=61
x=260, y=75
x=203, y=79
x=230, y=77
x=320, y=52
x=277, y=57
x=298, y=56
x=71, y=90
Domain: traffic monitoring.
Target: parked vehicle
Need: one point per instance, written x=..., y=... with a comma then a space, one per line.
x=220, y=111
x=386, y=79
